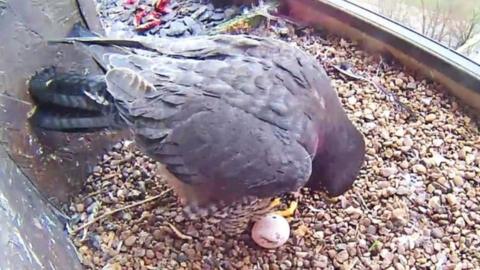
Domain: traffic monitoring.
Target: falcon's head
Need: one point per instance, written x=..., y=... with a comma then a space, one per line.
x=339, y=158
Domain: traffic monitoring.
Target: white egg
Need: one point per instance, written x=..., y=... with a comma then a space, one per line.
x=271, y=231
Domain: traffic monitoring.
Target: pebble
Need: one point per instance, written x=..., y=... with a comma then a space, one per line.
x=452, y=199
x=342, y=256
x=150, y=254
x=437, y=233
x=140, y=252
x=430, y=118
x=321, y=261
x=402, y=190
x=419, y=168
x=387, y=257
x=130, y=241
x=404, y=164
x=80, y=207
x=387, y=171
x=399, y=266
x=411, y=86
x=460, y=222
x=434, y=203
x=458, y=180
x=400, y=216
x=437, y=142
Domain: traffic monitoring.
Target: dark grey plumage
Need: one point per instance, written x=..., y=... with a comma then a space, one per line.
x=231, y=116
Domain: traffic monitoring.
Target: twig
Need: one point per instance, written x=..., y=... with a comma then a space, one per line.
x=178, y=233
x=352, y=264
x=357, y=228
x=361, y=200
x=108, y=176
x=348, y=73
x=390, y=96
x=15, y=99
x=109, y=213
x=313, y=209
x=91, y=194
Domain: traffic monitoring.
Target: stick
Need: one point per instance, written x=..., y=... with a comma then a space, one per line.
x=178, y=233
x=390, y=96
x=352, y=264
x=361, y=200
x=313, y=209
x=109, y=213
x=94, y=193
x=14, y=98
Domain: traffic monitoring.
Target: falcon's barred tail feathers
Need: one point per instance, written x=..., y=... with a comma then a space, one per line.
x=71, y=102
x=68, y=90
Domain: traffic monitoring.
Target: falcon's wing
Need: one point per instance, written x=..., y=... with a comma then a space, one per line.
x=286, y=56
x=279, y=91
x=226, y=153
x=217, y=144
x=236, y=126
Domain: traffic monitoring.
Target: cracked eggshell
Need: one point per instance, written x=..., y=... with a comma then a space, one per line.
x=271, y=231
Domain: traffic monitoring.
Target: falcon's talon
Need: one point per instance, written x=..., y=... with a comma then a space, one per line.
x=275, y=202
x=32, y=111
x=289, y=211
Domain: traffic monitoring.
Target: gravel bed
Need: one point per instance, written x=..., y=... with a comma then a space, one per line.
x=415, y=204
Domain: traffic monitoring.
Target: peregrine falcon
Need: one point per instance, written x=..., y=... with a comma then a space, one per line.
x=236, y=120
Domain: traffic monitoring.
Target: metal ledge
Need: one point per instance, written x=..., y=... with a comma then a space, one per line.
x=457, y=73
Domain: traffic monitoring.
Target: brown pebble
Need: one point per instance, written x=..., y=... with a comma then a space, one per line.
x=437, y=232
x=419, y=168
x=434, y=203
x=80, y=207
x=130, y=241
x=274, y=266
x=430, y=117
x=342, y=256
x=458, y=180
x=150, y=254
x=320, y=261
x=452, y=199
x=388, y=171
x=159, y=235
x=400, y=216
x=139, y=252
x=404, y=164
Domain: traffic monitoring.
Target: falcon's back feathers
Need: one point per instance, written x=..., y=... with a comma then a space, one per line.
x=231, y=116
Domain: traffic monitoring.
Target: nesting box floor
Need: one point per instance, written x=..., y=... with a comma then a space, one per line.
x=415, y=204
